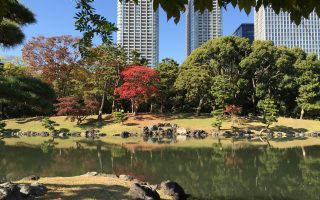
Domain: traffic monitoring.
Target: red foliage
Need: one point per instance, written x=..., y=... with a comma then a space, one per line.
x=75, y=109
x=233, y=110
x=140, y=84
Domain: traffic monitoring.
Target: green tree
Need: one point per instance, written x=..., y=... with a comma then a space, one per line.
x=168, y=70
x=195, y=81
x=105, y=63
x=309, y=84
x=48, y=124
x=136, y=59
x=269, y=110
x=24, y=90
x=119, y=117
x=13, y=16
x=221, y=90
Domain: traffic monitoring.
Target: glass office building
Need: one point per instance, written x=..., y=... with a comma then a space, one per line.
x=280, y=30
x=245, y=31
x=202, y=27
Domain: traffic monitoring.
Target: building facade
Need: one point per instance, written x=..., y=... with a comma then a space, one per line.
x=138, y=29
x=202, y=27
x=245, y=31
x=280, y=30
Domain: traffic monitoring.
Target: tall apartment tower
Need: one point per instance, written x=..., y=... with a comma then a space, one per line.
x=280, y=30
x=138, y=29
x=202, y=27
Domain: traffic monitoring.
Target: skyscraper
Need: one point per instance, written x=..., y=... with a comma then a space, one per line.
x=245, y=31
x=202, y=27
x=138, y=30
x=280, y=30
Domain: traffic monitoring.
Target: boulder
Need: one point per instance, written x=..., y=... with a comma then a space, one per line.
x=37, y=189
x=124, y=134
x=126, y=177
x=25, y=190
x=138, y=191
x=173, y=189
x=181, y=131
x=108, y=175
x=91, y=174
x=181, y=137
x=153, y=128
x=10, y=191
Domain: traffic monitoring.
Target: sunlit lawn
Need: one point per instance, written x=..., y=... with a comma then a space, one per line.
x=135, y=125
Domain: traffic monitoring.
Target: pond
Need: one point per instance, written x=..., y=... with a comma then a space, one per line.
x=252, y=172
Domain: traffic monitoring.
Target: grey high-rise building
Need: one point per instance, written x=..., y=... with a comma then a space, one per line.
x=138, y=29
x=245, y=30
x=202, y=27
x=280, y=30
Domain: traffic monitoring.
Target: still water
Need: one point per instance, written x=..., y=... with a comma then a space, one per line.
x=253, y=172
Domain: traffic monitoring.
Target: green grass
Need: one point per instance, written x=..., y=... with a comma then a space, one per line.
x=135, y=125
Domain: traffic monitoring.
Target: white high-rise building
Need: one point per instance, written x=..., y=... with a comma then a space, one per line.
x=202, y=27
x=280, y=30
x=138, y=29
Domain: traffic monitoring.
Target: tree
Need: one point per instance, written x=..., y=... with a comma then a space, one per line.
x=233, y=112
x=105, y=63
x=168, y=70
x=55, y=60
x=119, y=116
x=216, y=58
x=137, y=60
x=48, y=124
x=75, y=109
x=195, y=81
x=13, y=16
x=140, y=84
x=92, y=24
x=221, y=90
x=309, y=84
x=269, y=110
x=25, y=90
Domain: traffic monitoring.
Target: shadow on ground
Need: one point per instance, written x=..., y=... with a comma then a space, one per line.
x=94, y=123
x=26, y=120
x=89, y=191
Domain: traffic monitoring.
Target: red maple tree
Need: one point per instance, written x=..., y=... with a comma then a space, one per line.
x=75, y=109
x=140, y=84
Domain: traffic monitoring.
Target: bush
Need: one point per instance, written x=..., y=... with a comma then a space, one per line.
x=2, y=125
x=119, y=117
x=49, y=124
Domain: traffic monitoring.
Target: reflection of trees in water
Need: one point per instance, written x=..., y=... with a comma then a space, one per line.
x=212, y=173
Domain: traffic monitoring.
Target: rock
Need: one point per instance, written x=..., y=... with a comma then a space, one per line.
x=31, y=178
x=91, y=174
x=25, y=190
x=116, y=135
x=153, y=128
x=181, y=137
x=108, y=175
x=10, y=191
x=37, y=189
x=138, y=191
x=173, y=189
x=126, y=177
x=124, y=134
x=181, y=131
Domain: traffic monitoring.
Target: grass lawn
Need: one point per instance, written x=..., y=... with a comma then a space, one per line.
x=135, y=125
x=86, y=187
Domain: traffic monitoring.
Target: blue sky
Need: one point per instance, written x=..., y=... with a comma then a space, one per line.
x=56, y=18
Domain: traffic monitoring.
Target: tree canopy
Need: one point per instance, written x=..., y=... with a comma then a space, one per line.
x=13, y=15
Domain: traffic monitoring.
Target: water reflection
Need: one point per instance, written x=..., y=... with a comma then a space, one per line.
x=207, y=173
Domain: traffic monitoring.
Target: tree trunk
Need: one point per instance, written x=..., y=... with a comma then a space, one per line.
x=151, y=107
x=253, y=97
x=199, y=107
x=102, y=101
x=161, y=107
x=135, y=110
x=302, y=113
x=132, y=107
